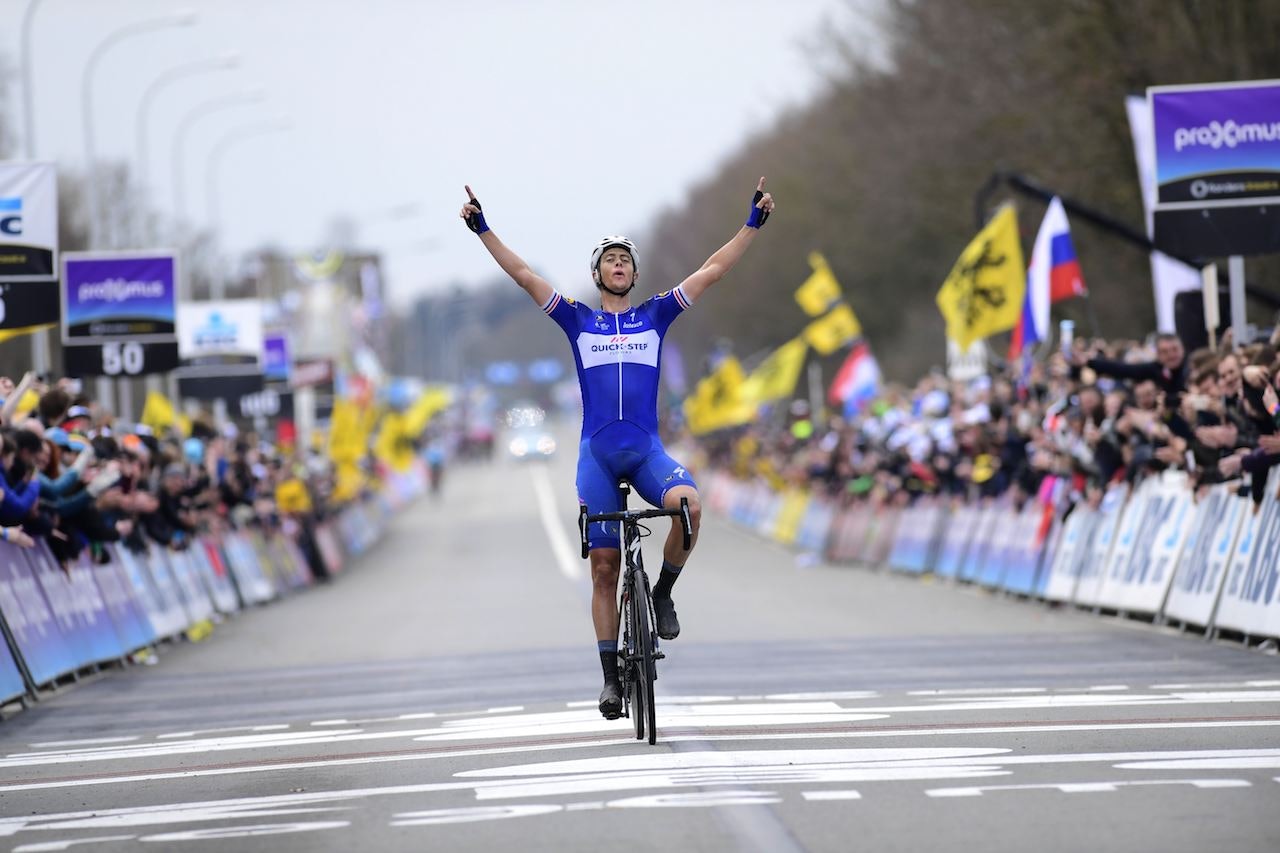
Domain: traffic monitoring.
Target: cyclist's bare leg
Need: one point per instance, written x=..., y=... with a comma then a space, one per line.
x=605, y=565
x=673, y=551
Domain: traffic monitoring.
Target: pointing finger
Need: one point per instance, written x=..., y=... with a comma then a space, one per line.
x=760, y=186
x=470, y=194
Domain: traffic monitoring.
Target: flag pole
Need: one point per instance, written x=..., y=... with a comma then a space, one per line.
x=1093, y=315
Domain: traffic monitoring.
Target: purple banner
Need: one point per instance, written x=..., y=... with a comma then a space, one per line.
x=119, y=296
x=41, y=643
x=1217, y=143
x=11, y=684
x=275, y=357
x=131, y=623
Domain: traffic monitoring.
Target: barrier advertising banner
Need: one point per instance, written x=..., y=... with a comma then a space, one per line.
x=31, y=620
x=29, y=223
x=1116, y=513
x=119, y=313
x=1202, y=568
x=1217, y=167
x=11, y=684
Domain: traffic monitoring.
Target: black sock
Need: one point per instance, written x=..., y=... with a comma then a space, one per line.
x=666, y=580
x=608, y=659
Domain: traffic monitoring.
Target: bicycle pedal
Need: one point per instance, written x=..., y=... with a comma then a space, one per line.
x=659, y=655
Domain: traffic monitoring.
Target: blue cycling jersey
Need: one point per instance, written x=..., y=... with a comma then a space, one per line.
x=617, y=357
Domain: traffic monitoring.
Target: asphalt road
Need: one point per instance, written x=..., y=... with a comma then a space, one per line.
x=440, y=695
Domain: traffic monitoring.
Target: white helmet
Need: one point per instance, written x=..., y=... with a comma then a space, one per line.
x=608, y=243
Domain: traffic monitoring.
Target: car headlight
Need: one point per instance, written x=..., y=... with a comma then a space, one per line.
x=519, y=447
x=546, y=445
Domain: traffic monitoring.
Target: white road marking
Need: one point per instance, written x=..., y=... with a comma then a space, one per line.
x=624, y=739
x=568, y=561
x=1225, y=762
x=699, y=800
x=978, y=691
x=246, y=831
x=1215, y=685
x=89, y=741
x=507, y=709
x=274, y=727
x=823, y=796
x=835, y=697
x=1087, y=787
x=632, y=772
x=470, y=815
x=43, y=846
x=425, y=715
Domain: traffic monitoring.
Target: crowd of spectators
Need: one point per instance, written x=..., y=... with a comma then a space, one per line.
x=77, y=478
x=1102, y=412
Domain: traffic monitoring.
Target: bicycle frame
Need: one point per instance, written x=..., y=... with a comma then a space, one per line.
x=634, y=653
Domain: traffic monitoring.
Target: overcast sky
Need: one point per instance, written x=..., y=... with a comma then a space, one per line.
x=570, y=118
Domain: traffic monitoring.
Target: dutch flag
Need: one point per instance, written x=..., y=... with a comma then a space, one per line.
x=1054, y=275
x=857, y=382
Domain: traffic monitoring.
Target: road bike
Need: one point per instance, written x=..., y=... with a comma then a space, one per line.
x=638, y=651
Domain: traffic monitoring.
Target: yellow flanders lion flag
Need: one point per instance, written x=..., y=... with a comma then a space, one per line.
x=776, y=376
x=820, y=289
x=983, y=294
x=158, y=412
x=716, y=402
x=833, y=331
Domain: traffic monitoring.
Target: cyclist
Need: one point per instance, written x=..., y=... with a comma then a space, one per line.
x=616, y=349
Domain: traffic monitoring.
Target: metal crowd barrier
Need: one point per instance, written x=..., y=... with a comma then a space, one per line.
x=59, y=623
x=1152, y=552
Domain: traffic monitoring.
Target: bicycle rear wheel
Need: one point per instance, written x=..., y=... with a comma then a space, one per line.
x=644, y=641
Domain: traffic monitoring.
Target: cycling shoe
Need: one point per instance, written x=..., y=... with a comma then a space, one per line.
x=664, y=610
x=611, y=700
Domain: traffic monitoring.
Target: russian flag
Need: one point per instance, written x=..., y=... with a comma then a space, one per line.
x=857, y=382
x=1053, y=275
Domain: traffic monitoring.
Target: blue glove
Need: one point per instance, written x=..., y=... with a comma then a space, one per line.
x=757, y=216
x=475, y=221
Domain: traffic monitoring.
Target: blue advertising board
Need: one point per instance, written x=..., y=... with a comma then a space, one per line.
x=35, y=630
x=119, y=295
x=11, y=684
x=1217, y=164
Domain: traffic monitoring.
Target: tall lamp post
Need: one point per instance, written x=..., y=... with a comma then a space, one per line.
x=28, y=96
x=168, y=78
x=213, y=182
x=249, y=96
x=176, y=19
x=39, y=340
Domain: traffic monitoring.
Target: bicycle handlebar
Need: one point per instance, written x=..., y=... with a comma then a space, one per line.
x=686, y=523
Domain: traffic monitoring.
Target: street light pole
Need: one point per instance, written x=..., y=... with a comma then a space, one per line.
x=184, y=127
x=40, y=339
x=28, y=97
x=219, y=150
x=177, y=19
x=173, y=75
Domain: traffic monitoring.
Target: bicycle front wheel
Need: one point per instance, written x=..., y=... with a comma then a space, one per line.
x=645, y=658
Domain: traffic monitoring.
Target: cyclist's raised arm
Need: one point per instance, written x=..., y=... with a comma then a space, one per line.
x=512, y=264
x=730, y=253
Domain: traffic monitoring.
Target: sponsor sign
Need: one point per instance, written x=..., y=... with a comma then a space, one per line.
x=27, y=304
x=28, y=222
x=222, y=332
x=1217, y=149
x=1217, y=142
x=598, y=350
x=275, y=357
x=122, y=295
x=221, y=346
x=119, y=313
